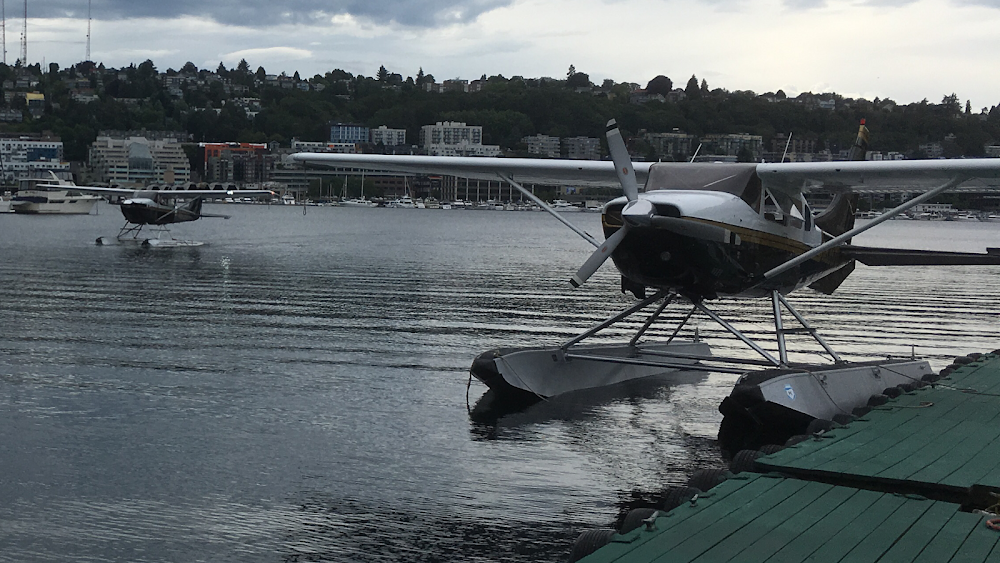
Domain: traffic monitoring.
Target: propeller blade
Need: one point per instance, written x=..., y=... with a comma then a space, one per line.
x=623, y=164
x=598, y=257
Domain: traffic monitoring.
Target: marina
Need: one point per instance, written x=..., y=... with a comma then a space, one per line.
x=301, y=390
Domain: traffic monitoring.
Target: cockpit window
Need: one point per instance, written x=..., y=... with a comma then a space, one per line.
x=718, y=177
x=752, y=193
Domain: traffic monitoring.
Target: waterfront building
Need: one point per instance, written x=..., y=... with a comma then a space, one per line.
x=672, y=146
x=27, y=156
x=349, y=133
x=138, y=160
x=453, y=138
x=733, y=144
x=543, y=145
x=237, y=162
x=582, y=148
x=388, y=137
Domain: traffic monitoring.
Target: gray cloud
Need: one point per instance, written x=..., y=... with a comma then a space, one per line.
x=266, y=13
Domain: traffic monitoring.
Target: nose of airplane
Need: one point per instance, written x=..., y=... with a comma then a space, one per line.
x=638, y=213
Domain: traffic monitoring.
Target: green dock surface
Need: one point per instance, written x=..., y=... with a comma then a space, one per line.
x=755, y=518
x=904, y=483
x=940, y=440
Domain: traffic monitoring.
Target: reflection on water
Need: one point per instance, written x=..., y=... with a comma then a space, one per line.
x=296, y=389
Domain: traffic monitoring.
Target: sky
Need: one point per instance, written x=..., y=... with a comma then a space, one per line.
x=899, y=49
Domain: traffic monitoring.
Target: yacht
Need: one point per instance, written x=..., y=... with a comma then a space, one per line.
x=57, y=197
x=563, y=205
x=405, y=202
x=358, y=202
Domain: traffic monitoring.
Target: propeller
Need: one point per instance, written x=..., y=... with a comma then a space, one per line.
x=635, y=211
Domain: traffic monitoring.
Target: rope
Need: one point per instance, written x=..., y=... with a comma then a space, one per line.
x=468, y=386
x=993, y=524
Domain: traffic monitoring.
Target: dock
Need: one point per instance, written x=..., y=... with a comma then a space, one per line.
x=914, y=479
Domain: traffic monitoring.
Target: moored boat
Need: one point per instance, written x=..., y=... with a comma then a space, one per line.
x=51, y=197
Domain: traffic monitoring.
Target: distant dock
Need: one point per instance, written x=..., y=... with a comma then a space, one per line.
x=915, y=479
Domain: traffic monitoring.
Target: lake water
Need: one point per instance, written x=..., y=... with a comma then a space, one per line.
x=296, y=390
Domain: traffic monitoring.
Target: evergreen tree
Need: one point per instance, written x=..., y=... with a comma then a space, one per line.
x=692, y=90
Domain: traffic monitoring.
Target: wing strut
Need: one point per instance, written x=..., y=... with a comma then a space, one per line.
x=551, y=211
x=842, y=239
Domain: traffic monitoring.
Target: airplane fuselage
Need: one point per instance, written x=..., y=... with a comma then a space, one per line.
x=704, y=244
x=147, y=211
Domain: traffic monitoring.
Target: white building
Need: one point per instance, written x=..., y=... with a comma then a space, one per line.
x=139, y=161
x=388, y=137
x=453, y=138
x=30, y=157
x=582, y=148
x=544, y=145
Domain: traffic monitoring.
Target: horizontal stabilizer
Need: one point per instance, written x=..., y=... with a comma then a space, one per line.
x=899, y=257
x=831, y=282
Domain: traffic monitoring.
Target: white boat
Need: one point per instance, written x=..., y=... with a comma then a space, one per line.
x=5, y=205
x=563, y=205
x=288, y=199
x=358, y=202
x=432, y=203
x=405, y=202
x=33, y=199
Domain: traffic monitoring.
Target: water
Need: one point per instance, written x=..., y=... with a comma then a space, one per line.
x=296, y=389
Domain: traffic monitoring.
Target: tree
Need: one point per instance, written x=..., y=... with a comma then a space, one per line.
x=420, y=76
x=383, y=74
x=221, y=71
x=692, y=90
x=189, y=68
x=578, y=80
x=571, y=71
x=660, y=85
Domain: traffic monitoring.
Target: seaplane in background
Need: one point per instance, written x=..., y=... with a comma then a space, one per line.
x=701, y=231
x=158, y=207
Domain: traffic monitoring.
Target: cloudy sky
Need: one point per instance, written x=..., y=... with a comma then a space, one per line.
x=900, y=49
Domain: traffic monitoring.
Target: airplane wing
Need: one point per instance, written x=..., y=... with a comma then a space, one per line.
x=975, y=174
x=581, y=173
x=871, y=256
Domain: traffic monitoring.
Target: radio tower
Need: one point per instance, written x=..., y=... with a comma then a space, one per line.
x=24, y=37
x=3, y=9
x=88, y=30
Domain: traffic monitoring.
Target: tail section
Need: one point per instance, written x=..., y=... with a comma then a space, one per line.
x=838, y=217
x=194, y=206
x=190, y=211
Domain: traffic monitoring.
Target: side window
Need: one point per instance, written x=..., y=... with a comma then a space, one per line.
x=751, y=193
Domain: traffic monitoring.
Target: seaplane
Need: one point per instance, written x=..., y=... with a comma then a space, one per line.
x=158, y=206
x=698, y=232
